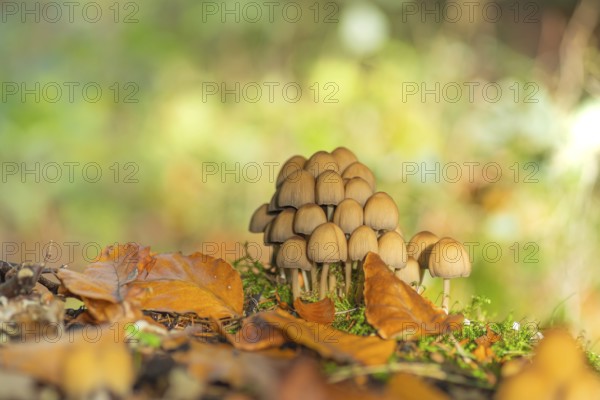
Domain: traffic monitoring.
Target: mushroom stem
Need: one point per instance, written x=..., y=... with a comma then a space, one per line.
x=332, y=282
x=306, y=283
x=295, y=284
x=360, y=282
x=314, y=277
x=329, y=211
x=446, y=295
x=348, y=276
x=323, y=285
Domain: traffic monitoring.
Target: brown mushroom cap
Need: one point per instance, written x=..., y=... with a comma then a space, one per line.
x=358, y=169
x=297, y=190
x=267, y=234
x=327, y=244
x=449, y=259
x=362, y=241
x=273, y=207
x=358, y=189
x=381, y=212
x=392, y=249
x=319, y=162
x=260, y=219
x=307, y=218
x=292, y=166
x=411, y=273
x=419, y=247
x=343, y=157
x=292, y=254
x=348, y=215
x=329, y=189
x=282, y=226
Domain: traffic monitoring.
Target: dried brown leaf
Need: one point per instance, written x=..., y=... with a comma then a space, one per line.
x=398, y=311
x=322, y=312
x=329, y=342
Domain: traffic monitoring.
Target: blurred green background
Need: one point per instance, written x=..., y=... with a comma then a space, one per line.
x=158, y=122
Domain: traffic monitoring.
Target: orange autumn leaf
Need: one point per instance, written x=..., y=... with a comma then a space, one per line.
x=254, y=334
x=105, y=285
x=126, y=279
x=409, y=387
x=398, y=311
x=322, y=312
x=208, y=286
x=329, y=342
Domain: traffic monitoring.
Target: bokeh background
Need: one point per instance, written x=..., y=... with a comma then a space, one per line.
x=160, y=122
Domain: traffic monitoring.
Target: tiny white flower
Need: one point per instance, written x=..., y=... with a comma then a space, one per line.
x=538, y=335
x=467, y=322
x=516, y=326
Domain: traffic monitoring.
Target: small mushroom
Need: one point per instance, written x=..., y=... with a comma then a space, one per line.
x=307, y=218
x=411, y=273
x=359, y=190
x=343, y=157
x=449, y=259
x=358, y=169
x=381, y=212
x=282, y=227
x=392, y=250
x=348, y=215
x=329, y=191
x=292, y=255
x=419, y=248
x=362, y=241
x=319, y=162
x=297, y=190
x=273, y=207
x=260, y=219
x=289, y=168
x=327, y=245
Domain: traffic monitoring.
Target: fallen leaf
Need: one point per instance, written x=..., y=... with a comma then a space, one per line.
x=104, y=286
x=489, y=338
x=322, y=312
x=409, y=387
x=83, y=362
x=254, y=334
x=303, y=381
x=398, y=311
x=208, y=286
x=126, y=279
x=329, y=342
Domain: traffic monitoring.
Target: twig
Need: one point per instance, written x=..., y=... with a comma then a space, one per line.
x=426, y=370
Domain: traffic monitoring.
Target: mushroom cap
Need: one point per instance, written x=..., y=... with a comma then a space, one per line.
x=449, y=259
x=329, y=189
x=358, y=169
x=292, y=254
x=348, y=215
x=327, y=244
x=273, y=207
x=297, y=190
x=411, y=273
x=260, y=219
x=292, y=166
x=358, y=189
x=282, y=226
x=392, y=249
x=319, y=162
x=343, y=157
x=419, y=247
x=307, y=218
x=362, y=241
x=381, y=212
x=267, y=234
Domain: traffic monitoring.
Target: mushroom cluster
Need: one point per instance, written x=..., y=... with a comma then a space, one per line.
x=326, y=215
